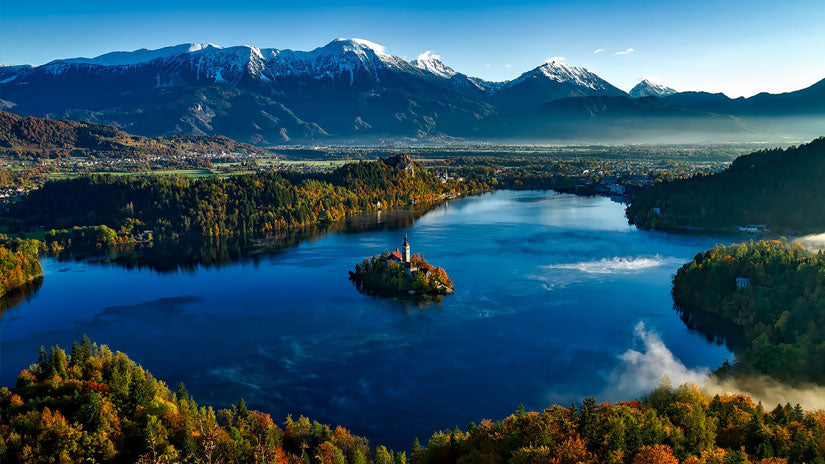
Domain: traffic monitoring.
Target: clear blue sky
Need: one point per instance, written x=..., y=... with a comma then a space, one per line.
x=737, y=47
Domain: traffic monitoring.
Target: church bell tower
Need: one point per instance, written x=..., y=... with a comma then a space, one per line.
x=406, y=249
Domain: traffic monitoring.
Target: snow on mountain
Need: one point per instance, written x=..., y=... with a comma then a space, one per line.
x=339, y=57
x=342, y=60
x=648, y=88
x=138, y=56
x=431, y=62
x=557, y=70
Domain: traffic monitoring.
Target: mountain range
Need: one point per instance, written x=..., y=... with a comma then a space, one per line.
x=353, y=90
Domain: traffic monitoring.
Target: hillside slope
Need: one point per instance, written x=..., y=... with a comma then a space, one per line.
x=41, y=137
x=781, y=189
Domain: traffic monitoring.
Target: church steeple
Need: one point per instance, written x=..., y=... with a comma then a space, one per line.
x=406, y=249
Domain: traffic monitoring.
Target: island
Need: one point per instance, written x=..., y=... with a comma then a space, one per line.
x=401, y=273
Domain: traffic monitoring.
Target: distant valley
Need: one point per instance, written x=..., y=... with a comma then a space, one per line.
x=354, y=91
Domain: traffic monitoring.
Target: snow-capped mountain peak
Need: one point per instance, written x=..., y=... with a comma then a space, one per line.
x=363, y=44
x=431, y=62
x=558, y=70
x=649, y=88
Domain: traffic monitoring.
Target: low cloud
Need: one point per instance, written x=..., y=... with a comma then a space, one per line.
x=643, y=366
x=812, y=243
x=429, y=55
x=507, y=65
x=597, y=51
x=625, y=52
x=770, y=391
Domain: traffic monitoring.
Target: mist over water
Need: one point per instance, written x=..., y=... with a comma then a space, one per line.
x=649, y=361
x=557, y=298
x=643, y=366
x=615, y=265
x=814, y=243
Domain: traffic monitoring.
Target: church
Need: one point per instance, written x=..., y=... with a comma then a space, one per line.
x=403, y=257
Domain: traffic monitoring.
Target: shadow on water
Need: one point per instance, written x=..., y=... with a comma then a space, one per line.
x=20, y=295
x=190, y=253
x=713, y=327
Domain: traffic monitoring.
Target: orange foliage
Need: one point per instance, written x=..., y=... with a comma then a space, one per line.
x=656, y=454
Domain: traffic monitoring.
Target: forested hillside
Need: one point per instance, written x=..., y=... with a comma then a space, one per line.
x=781, y=189
x=94, y=405
x=19, y=263
x=780, y=309
x=211, y=206
x=30, y=137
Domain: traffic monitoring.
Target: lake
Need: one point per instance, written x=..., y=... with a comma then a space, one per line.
x=557, y=298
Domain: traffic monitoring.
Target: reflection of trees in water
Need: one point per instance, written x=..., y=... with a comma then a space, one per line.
x=20, y=295
x=714, y=328
x=189, y=253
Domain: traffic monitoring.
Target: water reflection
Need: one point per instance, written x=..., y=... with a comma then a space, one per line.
x=20, y=295
x=190, y=253
x=713, y=327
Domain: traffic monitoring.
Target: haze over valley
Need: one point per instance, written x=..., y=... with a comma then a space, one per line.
x=355, y=91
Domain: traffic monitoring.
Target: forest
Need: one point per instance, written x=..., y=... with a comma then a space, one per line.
x=220, y=206
x=780, y=189
x=96, y=405
x=779, y=310
x=380, y=275
x=19, y=263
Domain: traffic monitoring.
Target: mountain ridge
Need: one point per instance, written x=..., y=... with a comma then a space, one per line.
x=647, y=88
x=349, y=90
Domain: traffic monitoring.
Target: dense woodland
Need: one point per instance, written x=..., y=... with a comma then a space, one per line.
x=35, y=138
x=781, y=189
x=93, y=405
x=380, y=275
x=19, y=263
x=781, y=312
x=213, y=206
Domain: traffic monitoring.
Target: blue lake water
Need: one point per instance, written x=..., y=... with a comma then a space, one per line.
x=550, y=293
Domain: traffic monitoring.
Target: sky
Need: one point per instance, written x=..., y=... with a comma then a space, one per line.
x=733, y=46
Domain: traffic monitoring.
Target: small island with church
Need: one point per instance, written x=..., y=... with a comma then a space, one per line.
x=400, y=273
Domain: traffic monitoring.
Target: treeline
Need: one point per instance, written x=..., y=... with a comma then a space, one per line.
x=781, y=189
x=214, y=206
x=780, y=309
x=669, y=426
x=19, y=263
x=93, y=405
x=36, y=138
